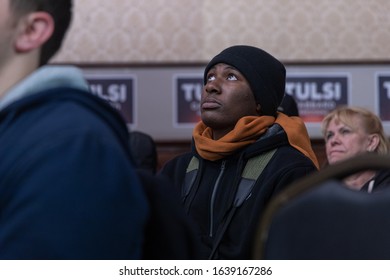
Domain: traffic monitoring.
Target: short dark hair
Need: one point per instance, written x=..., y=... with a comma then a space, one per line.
x=60, y=10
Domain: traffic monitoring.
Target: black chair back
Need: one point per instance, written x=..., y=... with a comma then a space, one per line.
x=319, y=218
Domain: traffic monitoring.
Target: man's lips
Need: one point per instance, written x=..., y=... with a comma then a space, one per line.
x=210, y=104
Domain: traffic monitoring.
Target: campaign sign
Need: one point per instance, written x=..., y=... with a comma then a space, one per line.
x=384, y=97
x=118, y=90
x=187, y=91
x=316, y=95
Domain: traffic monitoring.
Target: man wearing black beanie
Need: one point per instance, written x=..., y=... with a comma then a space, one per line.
x=265, y=74
x=244, y=151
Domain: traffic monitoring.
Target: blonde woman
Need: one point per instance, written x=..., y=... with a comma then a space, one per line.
x=350, y=131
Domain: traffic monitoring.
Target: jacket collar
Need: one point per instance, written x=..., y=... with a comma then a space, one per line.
x=44, y=78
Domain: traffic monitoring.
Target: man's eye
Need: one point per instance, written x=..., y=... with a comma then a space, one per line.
x=210, y=78
x=232, y=77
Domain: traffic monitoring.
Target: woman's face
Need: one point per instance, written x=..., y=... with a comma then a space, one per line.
x=343, y=142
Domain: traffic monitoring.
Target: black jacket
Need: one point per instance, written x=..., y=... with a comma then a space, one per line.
x=68, y=189
x=380, y=182
x=209, y=206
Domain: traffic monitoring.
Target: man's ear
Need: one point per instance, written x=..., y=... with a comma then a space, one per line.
x=33, y=31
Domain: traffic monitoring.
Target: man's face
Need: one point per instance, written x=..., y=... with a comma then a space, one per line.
x=7, y=32
x=226, y=98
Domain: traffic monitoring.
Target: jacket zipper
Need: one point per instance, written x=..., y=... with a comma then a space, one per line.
x=214, y=194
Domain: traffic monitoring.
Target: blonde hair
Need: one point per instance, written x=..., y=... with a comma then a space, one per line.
x=372, y=124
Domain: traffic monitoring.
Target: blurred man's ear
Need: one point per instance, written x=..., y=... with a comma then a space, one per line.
x=34, y=30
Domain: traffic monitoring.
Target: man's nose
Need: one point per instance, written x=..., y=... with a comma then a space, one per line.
x=213, y=86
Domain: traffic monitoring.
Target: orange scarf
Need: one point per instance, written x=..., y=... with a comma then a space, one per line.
x=247, y=131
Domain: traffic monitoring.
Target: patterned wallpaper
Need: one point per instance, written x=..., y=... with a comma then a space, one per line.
x=133, y=31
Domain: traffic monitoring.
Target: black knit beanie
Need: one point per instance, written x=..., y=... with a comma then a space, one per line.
x=266, y=75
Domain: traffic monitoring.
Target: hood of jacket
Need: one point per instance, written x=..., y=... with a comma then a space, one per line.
x=45, y=78
x=49, y=85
